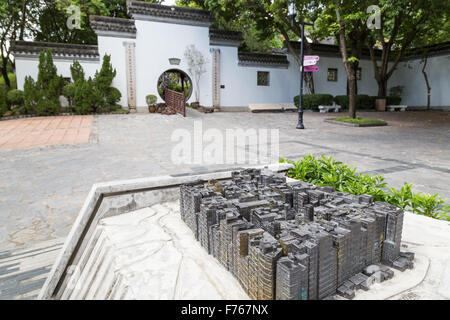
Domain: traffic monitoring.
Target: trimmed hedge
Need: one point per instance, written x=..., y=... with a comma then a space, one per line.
x=391, y=100
x=313, y=101
x=363, y=102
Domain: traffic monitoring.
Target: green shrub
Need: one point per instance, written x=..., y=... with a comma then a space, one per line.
x=77, y=72
x=3, y=105
x=329, y=172
x=87, y=99
x=313, y=101
x=69, y=92
x=151, y=99
x=362, y=102
x=113, y=96
x=15, y=97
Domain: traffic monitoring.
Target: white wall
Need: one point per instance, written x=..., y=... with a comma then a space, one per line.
x=115, y=47
x=367, y=84
x=156, y=42
x=241, y=86
x=409, y=74
x=29, y=67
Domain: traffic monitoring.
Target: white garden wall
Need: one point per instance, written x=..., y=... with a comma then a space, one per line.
x=156, y=42
x=409, y=74
x=29, y=67
x=241, y=86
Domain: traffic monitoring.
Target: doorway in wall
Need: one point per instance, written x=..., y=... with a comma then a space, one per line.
x=175, y=80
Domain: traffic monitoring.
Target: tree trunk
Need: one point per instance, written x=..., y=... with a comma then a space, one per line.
x=352, y=93
x=382, y=87
x=309, y=81
x=425, y=75
x=5, y=71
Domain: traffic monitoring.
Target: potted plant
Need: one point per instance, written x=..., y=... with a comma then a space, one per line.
x=151, y=101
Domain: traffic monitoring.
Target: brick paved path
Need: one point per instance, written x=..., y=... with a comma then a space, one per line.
x=44, y=131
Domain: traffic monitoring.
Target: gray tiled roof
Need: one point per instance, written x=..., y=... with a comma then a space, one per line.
x=100, y=23
x=263, y=59
x=225, y=35
x=170, y=12
x=59, y=50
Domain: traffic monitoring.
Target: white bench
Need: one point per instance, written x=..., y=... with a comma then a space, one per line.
x=393, y=108
x=325, y=109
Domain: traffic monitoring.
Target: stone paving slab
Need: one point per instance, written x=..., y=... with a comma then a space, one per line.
x=44, y=131
x=24, y=270
x=42, y=189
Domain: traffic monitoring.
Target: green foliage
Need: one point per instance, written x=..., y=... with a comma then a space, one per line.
x=151, y=99
x=3, y=105
x=391, y=100
x=77, y=72
x=359, y=120
x=69, y=92
x=313, y=101
x=15, y=97
x=362, y=102
x=31, y=95
x=86, y=98
x=104, y=78
x=12, y=80
x=325, y=171
x=113, y=97
x=93, y=95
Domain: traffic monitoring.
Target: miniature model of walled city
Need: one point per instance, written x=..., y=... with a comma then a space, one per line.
x=294, y=242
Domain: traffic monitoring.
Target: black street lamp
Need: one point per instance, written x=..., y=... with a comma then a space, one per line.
x=292, y=13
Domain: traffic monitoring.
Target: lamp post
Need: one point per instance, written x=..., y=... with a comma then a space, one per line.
x=292, y=13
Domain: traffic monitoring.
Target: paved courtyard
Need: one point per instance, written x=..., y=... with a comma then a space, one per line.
x=43, y=187
x=46, y=131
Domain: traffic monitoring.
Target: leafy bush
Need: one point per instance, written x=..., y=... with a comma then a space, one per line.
x=325, y=171
x=69, y=92
x=15, y=97
x=113, y=97
x=86, y=98
x=3, y=105
x=30, y=95
x=362, y=101
x=77, y=72
x=313, y=101
x=42, y=96
x=151, y=99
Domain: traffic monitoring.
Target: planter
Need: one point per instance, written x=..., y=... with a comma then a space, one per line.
x=380, y=104
x=152, y=109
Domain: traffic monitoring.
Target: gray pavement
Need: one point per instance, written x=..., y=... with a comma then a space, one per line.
x=42, y=189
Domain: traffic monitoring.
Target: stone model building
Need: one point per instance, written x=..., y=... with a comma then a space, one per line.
x=296, y=241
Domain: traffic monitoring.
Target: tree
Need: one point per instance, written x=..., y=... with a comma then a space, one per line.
x=17, y=20
x=270, y=19
x=401, y=22
x=77, y=72
x=438, y=34
x=346, y=21
x=55, y=13
x=196, y=67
